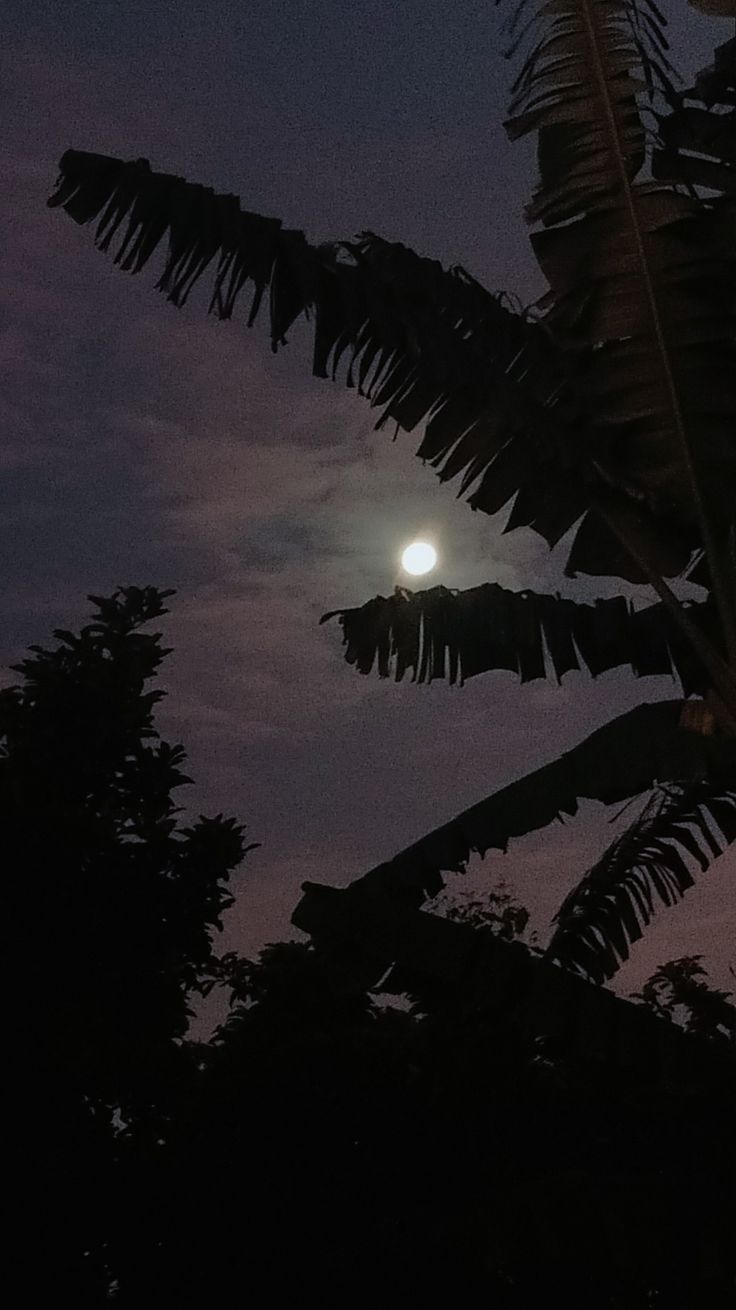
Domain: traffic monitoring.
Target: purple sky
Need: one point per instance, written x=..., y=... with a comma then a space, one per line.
x=138, y=444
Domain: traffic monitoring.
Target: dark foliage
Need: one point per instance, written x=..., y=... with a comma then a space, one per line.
x=699, y=135
x=681, y=826
x=641, y=274
x=462, y=1150
x=573, y=413
x=376, y=1155
x=114, y=907
x=679, y=990
x=86, y=793
x=504, y=405
x=496, y=911
x=421, y=342
x=623, y=759
x=458, y=634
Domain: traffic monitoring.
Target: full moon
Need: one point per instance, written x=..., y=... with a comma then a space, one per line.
x=418, y=558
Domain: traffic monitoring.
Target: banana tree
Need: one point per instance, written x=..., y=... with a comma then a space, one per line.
x=607, y=412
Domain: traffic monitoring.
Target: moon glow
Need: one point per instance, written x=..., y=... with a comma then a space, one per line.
x=419, y=558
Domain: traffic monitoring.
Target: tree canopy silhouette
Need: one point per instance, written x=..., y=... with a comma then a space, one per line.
x=453, y=1148
x=463, y=1145
x=126, y=905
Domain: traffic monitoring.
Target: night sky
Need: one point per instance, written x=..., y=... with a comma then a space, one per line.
x=140, y=445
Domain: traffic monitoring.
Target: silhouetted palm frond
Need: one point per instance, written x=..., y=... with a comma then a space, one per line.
x=422, y=343
x=625, y=758
x=682, y=825
x=642, y=275
x=699, y=135
x=458, y=634
x=630, y=386
x=425, y=345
